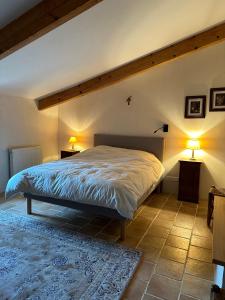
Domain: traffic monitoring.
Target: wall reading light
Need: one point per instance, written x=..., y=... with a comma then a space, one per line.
x=165, y=128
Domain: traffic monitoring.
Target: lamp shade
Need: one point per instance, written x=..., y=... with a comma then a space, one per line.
x=72, y=140
x=193, y=144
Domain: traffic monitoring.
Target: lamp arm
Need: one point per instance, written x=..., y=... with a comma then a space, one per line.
x=165, y=128
x=157, y=129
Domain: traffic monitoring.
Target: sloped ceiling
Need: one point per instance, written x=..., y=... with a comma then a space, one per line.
x=107, y=35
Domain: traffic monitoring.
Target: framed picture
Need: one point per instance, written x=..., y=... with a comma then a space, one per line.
x=217, y=99
x=195, y=107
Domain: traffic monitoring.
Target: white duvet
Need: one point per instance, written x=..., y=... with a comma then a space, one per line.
x=104, y=176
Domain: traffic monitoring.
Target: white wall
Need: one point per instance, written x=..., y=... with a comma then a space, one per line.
x=158, y=97
x=21, y=124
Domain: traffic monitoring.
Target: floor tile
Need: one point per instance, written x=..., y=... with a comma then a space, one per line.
x=167, y=215
x=158, y=231
x=163, y=223
x=191, y=211
x=201, y=228
x=178, y=242
x=145, y=270
x=200, y=269
x=135, y=230
x=176, y=254
x=149, y=210
x=202, y=212
x=152, y=241
x=185, y=221
x=196, y=287
x=185, y=297
x=163, y=287
x=142, y=222
x=170, y=268
x=180, y=231
x=200, y=254
x=188, y=204
x=151, y=254
x=150, y=297
x=202, y=242
x=148, y=213
x=135, y=289
x=184, y=224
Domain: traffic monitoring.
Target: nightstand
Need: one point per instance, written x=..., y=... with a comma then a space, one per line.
x=68, y=153
x=189, y=180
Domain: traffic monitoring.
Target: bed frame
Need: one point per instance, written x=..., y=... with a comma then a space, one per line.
x=153, y=145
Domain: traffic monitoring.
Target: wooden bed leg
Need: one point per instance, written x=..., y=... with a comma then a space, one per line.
x=29, y=206
x=159, y=188
x=122, y=230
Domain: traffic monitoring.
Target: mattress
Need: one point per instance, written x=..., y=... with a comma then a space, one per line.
x=115, y=178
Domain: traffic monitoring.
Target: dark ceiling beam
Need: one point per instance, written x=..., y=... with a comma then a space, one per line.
x=42, y=18
x=206, y=38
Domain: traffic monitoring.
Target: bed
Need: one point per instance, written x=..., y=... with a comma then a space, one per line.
x=111, y=179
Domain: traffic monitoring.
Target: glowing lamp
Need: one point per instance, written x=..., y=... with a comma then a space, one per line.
x=72, y=141
x=193, y=145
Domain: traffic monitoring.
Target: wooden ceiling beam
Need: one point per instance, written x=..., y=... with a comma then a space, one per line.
x=42, y=18
x=198, y=41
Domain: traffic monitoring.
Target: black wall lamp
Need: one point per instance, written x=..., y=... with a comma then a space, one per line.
x=165, y=128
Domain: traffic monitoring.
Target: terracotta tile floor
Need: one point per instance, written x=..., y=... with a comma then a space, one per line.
x=173, y=236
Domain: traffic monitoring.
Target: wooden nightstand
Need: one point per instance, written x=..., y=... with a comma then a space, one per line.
x=68, y=153
x=189, y=180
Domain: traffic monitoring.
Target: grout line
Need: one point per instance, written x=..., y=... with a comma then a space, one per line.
x=143, y=236
x=185, y=250
x=153, y=272
x=182, y=281
x=196, y=213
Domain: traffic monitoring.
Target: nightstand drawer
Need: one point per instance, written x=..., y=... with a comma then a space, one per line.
x=189, y=181
x=67, y=153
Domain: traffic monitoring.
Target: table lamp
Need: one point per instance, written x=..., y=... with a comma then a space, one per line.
x=72, y=141
x=193, y=145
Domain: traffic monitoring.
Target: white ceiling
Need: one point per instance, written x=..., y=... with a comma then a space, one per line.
x=12, y=9
x=107, y=35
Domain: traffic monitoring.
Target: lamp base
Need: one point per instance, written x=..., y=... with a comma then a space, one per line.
x=193, y=155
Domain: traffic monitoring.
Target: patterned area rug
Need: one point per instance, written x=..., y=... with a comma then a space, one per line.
x=43, y=261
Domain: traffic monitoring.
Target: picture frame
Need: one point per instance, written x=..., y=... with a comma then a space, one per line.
x=217, y=99
x=195, y=107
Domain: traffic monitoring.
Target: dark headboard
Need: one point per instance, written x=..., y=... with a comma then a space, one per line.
x=153, y=145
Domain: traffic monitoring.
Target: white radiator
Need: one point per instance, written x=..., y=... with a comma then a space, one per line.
x=22, y=158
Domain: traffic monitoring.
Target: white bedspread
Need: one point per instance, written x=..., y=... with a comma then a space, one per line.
x=104, y=176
